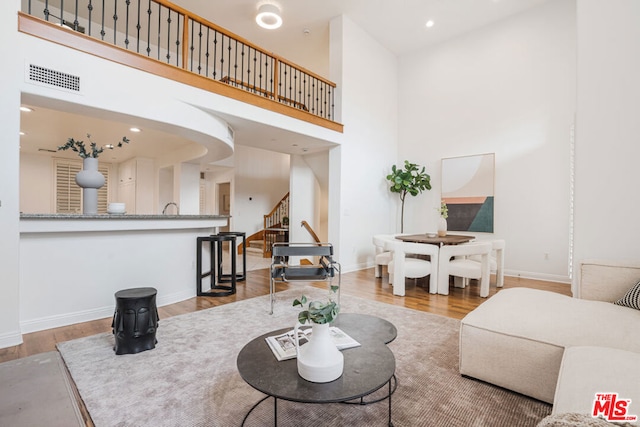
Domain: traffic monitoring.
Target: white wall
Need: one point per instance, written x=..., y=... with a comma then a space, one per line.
x=261, y=179
x=36, y=184
x=507, y=89
x=304, y=201
x=10, y=71
x=360, y=203
x=188, y=177
x=607, y=200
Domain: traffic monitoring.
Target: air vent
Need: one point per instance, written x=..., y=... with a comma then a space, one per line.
x=55, y=78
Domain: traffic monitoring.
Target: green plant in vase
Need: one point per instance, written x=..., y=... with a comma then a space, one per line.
x=318, y=312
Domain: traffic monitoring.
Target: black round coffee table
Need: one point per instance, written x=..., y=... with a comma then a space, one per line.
x=367, y=368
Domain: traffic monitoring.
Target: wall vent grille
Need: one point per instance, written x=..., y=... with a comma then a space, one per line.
x=54, y=78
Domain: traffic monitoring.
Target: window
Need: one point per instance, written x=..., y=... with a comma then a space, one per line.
x=68, y=196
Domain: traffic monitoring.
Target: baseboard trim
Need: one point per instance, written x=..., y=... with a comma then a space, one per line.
x=66, y=319
x=10, y=339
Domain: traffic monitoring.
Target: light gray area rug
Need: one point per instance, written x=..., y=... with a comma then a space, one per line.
x=191, y=379
x=36, y=391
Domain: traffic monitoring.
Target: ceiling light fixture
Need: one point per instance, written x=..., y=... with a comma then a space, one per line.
x=26, y=109
x=269, y=16
x=430, y=23
x=135, y=130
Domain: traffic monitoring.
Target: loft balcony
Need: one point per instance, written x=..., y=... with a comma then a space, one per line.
x=164, y=39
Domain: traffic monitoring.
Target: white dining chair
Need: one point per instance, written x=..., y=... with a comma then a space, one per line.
x=384, y=252
x=496, y=260
x=454, y=261
x=403, y=266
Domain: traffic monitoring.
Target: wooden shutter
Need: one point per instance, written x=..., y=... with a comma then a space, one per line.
x=68, y=196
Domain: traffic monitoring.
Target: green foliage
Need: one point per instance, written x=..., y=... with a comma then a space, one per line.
x=444, y=210
x=317, y=311
x=410, y=180
x=81, y=149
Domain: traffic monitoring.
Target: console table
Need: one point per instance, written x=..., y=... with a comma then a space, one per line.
x=367, y=368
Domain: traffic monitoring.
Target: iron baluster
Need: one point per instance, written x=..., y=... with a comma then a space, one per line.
x=242, y=62
x=138, y=27
x=222, y=57
x=235, y=64
x=76, y=24
x=61, y=12
x=149, y=29
x=90, y=8
x=115, y=20
x=169, y=38
x=178, y=34
x=206, y=55
x=46, y=10
x=126, y=26
x=191, y=48
x=229, y=56
x=158, y=43
x=102, y=33
x=200, y=50
x=215, y=53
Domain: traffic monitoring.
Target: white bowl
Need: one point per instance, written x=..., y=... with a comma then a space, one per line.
x=115, y=208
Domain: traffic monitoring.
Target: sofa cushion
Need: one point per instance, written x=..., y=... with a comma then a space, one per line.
x=587, y=370
x=517, y=337
x=632, y=298
x=558, y=319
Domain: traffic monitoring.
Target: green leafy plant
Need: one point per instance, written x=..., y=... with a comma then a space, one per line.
x=410, y=180
x=444, y=210
x=81, y=149
x=317, y=311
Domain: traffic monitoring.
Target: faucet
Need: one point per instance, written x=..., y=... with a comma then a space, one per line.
x=169, y=204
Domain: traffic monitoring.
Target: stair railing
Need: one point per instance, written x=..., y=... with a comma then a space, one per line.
x=313, y=234
x=276, y=224
x=168, y=33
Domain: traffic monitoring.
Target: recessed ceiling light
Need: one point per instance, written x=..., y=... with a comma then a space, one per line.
x=269, y=16
x=22, y=133
x=430, y=23
x=135, y=130
x=26, y=109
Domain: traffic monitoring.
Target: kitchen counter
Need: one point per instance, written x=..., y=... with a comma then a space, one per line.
x=53, y=223
x=72, y=265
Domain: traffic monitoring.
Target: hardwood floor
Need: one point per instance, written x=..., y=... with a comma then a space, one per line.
x=360, y=283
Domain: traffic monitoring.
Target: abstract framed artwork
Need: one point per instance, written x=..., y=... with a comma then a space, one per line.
x=468, y=191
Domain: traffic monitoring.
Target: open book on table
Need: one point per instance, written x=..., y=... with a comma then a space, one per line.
x=283, y=346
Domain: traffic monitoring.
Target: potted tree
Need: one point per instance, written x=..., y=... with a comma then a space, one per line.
x=410, y=180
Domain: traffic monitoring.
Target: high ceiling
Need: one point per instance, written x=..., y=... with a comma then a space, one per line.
x=303, y=38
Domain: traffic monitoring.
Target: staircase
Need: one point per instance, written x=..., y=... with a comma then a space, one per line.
x=276, y=229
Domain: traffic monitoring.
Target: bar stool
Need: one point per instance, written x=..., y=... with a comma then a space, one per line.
x=135, y=320
x=215, y=261
x=222, y=277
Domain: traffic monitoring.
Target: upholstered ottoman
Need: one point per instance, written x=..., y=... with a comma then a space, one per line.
x=516, y=338
x=588, y=370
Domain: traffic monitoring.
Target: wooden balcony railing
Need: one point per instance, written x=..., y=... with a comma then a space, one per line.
x=166, y=33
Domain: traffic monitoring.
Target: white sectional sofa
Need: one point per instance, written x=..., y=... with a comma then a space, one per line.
x=556, y=348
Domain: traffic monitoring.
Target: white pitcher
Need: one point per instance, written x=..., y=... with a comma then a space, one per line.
x=319, y=360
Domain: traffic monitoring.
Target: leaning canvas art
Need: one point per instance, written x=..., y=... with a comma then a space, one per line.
x=468, y=191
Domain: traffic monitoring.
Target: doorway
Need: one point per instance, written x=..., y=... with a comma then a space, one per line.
x=223, y=190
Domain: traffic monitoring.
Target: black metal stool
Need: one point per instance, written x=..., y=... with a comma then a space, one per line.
x=135, y=320
x=215, y=261
x=222, y=277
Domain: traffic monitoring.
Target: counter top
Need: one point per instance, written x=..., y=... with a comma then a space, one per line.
x=120, y=216
x=70, y=223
